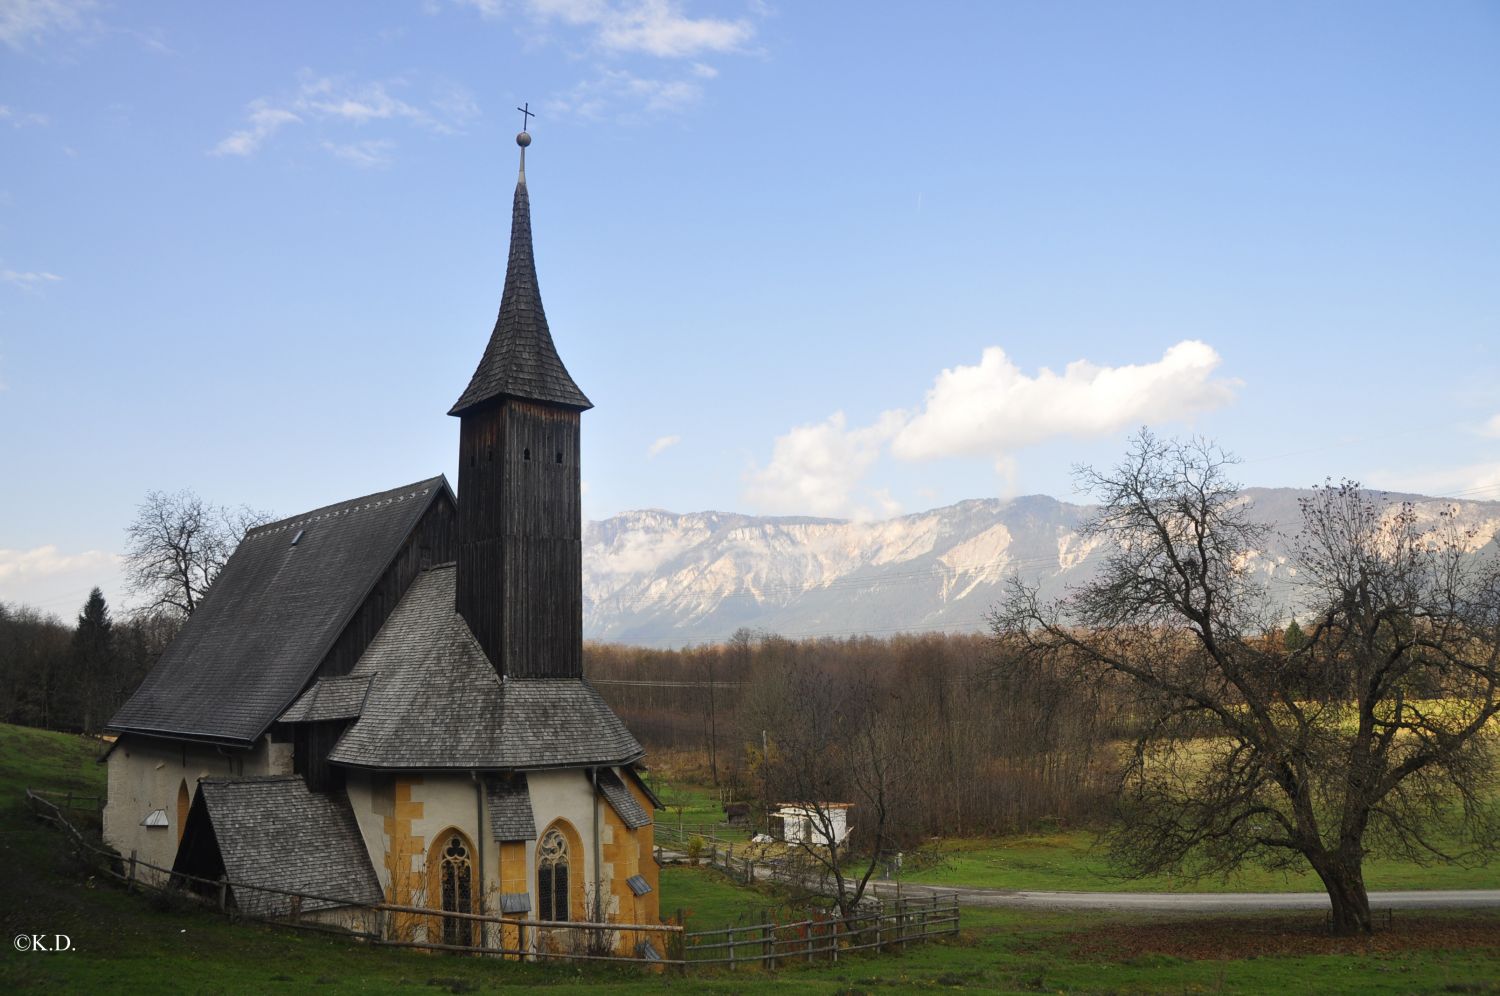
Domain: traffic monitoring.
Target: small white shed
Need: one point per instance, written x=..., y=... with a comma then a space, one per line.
x=811, y=822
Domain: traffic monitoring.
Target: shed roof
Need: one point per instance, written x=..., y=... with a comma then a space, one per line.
x=509, y=802
x=273, y=832
x=520, y=360
x=631, y=812
x=271, y=616
x=436, y=702
x=329, y=698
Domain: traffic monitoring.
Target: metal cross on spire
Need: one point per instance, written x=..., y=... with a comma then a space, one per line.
x=526, y=115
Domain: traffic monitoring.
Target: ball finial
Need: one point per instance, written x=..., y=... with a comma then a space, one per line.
x=523, y=139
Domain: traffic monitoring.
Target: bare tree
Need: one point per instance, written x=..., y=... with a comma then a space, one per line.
x=177, y=545
x=1373, y=734
x=834, y=741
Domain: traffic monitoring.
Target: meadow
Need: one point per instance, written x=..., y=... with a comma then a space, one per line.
x=135, y=943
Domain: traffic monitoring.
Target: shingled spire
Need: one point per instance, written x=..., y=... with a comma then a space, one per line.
x=520, y=360
x=519, y=583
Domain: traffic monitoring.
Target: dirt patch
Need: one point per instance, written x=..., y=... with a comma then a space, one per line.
x=1229, y=938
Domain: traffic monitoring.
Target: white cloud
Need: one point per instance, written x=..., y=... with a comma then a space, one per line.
x=261, y=123
x=815, y=468
x=47, y=560
x=28, y=280
x=615, y=29
x=336, y=103
x=1491, y=429
x=664, y=443
x=20, y=119
x=23, y=21
x=48, y=579
x=371, y=154
x=616, y=92
x=658, y=27
x=650, y=27
x=1475, y=481
x=990, y=410
x=994, y=408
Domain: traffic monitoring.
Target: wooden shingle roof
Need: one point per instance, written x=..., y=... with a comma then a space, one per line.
x=520, y=360
x=436, y=702
x=631, y=812
x=271, y=616
x=329, y=698
x=508, y=799
x=273, y=832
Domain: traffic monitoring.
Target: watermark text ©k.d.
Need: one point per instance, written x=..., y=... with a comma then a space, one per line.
x=43, y=942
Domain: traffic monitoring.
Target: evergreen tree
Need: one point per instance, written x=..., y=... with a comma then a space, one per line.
x=1292, y=638
x=93, y=662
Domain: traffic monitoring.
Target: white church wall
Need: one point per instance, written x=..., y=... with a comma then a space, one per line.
x=451, y=801
x=371, y=799
x=147, y=774
x=567, y=794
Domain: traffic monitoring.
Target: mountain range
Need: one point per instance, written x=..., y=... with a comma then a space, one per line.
x=660, y=578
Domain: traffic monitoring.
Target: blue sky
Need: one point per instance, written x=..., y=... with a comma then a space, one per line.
x=838, y=259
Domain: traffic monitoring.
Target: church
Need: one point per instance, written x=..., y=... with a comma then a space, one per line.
x=383, y=699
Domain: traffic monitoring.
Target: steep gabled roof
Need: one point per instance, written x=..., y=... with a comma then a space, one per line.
x=271, y=616
x=520, y=360
x=436, y=702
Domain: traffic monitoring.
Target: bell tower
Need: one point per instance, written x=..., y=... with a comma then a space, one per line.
x=520, y=572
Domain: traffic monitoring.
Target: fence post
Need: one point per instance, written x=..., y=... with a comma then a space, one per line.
x=130, y=876
x=732, y=966
x=296, y=909
x=223, y=894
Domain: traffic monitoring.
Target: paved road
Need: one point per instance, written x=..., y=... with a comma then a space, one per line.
x=1201, y=902
x=1177, y=902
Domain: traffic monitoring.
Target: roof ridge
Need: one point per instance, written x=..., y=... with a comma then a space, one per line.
x=389, y=496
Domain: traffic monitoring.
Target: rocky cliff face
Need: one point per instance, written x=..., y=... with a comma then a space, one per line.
x=664, y=579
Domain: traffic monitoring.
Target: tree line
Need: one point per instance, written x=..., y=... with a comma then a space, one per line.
x=74, y=677
x=977, y=751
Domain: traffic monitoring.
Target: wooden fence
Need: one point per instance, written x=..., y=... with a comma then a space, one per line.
x=890, y=925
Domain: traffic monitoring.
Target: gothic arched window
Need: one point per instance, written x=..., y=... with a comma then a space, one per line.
x=456, y=878
x=552, y=876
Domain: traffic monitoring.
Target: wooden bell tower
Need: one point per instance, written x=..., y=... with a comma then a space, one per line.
x=520, y=571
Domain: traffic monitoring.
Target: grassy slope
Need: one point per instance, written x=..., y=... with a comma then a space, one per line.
x=132, y=943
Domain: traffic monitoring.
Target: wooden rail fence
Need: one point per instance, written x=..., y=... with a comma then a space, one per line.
x=886, y=926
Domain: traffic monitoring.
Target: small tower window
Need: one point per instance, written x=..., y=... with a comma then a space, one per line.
x=526, y=454
x=559, y=456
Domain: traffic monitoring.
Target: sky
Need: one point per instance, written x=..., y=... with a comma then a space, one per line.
x=834, y=259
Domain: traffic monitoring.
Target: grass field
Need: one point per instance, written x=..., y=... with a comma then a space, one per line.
x=134, y=943
x=1069, y=862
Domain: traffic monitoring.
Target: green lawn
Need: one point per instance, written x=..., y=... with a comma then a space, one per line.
x=1069, y=862
x=135, y=943
x=695, y=806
